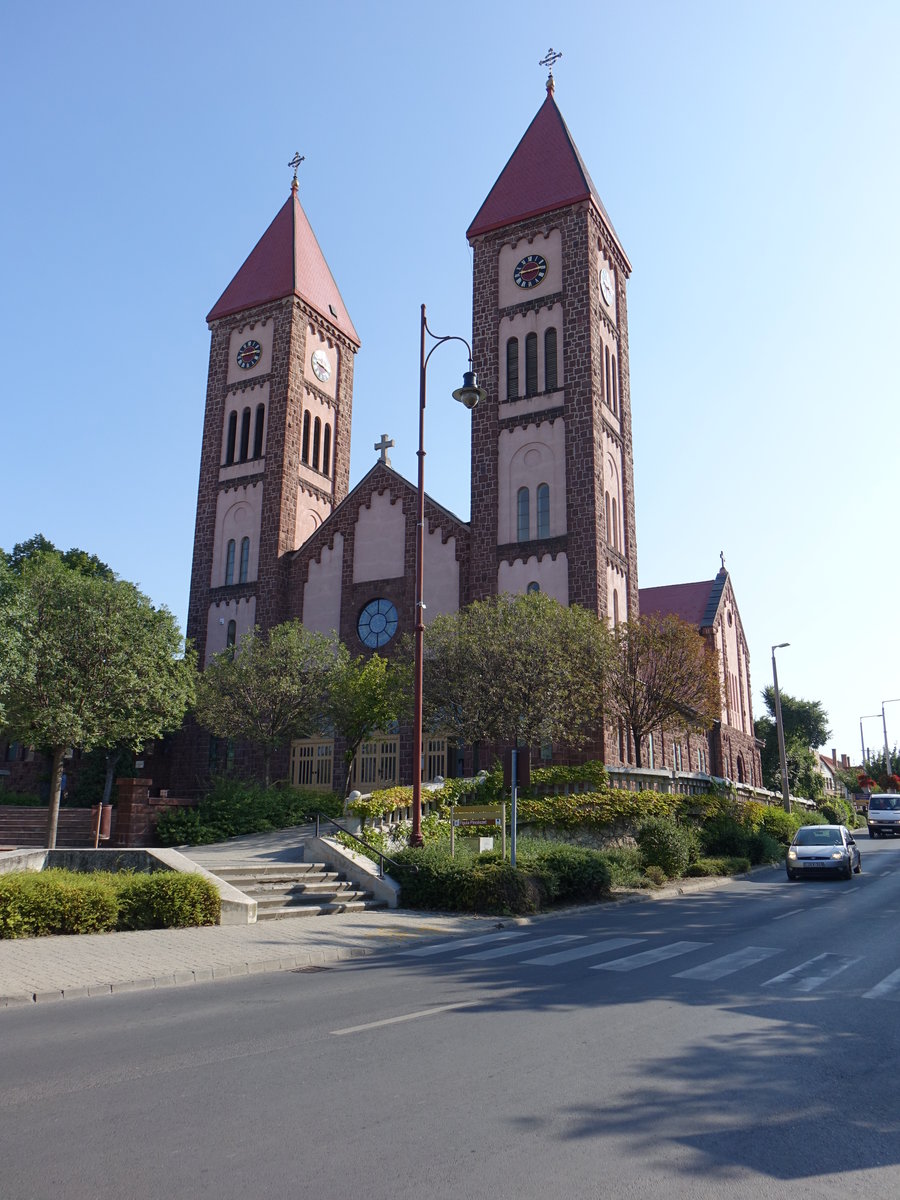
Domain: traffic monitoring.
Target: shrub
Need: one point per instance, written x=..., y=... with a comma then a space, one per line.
x=20, y=799
x=44, y=903
x=235, y=807
x=783, y=825
x=763, y=848
x=722, y=865
x=666, y=845
x=166, y=900
x=568, y=873
x=723, y=834
x=837, y=812
x=656, y=875
x=625, y=866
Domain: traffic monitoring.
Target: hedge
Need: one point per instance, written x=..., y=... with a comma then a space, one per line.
x=44, y=903
x=234, y=807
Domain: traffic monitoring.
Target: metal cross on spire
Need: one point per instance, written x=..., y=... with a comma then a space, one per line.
x=547, y=61
x=295, y=163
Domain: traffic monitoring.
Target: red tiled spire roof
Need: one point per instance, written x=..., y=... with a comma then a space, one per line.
x=696, y=603
x=545, y=172
x=286, y=261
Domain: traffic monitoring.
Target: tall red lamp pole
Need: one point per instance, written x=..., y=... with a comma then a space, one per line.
x=469, y=395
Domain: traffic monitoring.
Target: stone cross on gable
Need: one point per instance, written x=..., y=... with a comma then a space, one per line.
x=384, y=445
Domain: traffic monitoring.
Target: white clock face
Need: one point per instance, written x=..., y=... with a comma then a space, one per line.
x=321, y=366
x=606, y=285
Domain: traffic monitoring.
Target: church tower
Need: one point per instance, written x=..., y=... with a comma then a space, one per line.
x=552, y=469
x=275, y=458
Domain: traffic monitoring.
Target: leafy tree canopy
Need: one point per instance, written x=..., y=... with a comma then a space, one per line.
x=516, y=670
x=803, y=720
x=365, y=696
x=662, y=675
x=37, y=547
x=273, y=687
x=93, y=663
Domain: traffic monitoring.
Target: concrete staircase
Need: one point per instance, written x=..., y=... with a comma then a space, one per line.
x=295, y=889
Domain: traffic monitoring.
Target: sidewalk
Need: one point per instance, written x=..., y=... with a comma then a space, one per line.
x=55, y=968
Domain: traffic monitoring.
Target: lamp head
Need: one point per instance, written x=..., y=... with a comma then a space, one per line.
x=780, y=646
x=470, y=394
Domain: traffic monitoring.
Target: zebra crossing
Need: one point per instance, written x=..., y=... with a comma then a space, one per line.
x=623, y=955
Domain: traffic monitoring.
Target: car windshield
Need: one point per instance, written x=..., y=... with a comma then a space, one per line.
x=816, y=835
x=890, y=802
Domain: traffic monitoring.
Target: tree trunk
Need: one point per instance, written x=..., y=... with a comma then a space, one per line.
x=267, y=766
x=56, y=774
x=637, y=747
x=112, y=760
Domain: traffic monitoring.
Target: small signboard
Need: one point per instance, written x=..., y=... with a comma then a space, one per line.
x=472, y=814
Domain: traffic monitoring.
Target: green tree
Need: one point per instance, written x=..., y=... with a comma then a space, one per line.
x=38, y=546
x=805, y=724
x=95, y=664
x=662, y=675
x=273, y=688
x=365, y=696
x=516, y=670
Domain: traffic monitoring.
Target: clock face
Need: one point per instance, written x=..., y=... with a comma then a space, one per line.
x=530, y=271
x=377, y=623
x=606, y=285
x=249, y=354
x=321, y=366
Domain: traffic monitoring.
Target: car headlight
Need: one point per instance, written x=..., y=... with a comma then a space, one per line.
x=792, y=853
x=837, y=854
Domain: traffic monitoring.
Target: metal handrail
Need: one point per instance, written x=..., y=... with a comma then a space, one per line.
x=382, y=858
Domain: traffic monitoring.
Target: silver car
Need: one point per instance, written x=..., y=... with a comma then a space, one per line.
x=823, y=848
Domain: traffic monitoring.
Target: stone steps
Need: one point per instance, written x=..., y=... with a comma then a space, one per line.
x=293, y=889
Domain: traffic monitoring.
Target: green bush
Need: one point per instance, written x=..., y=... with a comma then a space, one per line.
x=837, y=812
x=625, y=866
x=783, y=825
x=234, y=807
x=21, y=799
x=666, y=845
x=545, y=873
x=722, y=865
x=44, y=903
x=723, y=834
x=763, y=848
x=656, y=875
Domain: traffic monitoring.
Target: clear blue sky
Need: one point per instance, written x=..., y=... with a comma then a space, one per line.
x=747, y=155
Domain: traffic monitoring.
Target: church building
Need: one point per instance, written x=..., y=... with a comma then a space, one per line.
x=279, y=535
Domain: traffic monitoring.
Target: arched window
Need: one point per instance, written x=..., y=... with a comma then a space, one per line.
x=512, y=368
x=543, y=510
x=232, y=439
x=531, y=374
x=550, y=383
x=740, y=769
x=609, y=528
x=326, y=450
x=231, y=635
x=245, y=560
x=304, y=452
x=615, y=387
x=317, y=438
x=650, y=751
x=615, y=608
x=245, y=434
x=608, y=384
x=258, y=431
x=621, y=741
x=615, y=518
x=229, y=562
x=523, y=515
x=534, y=586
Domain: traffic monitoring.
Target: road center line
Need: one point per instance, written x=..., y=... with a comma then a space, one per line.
x=425, y=1012
x=792, y=913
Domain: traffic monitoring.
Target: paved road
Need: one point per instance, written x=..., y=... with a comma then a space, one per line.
x=732, y=1044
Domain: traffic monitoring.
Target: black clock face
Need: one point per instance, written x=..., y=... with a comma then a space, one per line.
x=377, y=623
x=249, y=354
x=530, y=271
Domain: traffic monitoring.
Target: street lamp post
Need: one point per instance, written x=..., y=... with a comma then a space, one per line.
x=862, y=740
x=785, y=787
x=469, y=395
x=887, y=753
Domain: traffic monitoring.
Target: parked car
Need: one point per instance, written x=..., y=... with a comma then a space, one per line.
x=823, y=848
x=884, y=815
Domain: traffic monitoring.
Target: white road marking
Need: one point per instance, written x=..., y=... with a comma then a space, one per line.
x=890, y=984
x=792, y=913
x=646, y=957
x=504, y=951
x=728, y=963
x=561, y=956
x=456, y=944
x=826, y=966
x=413, y=1016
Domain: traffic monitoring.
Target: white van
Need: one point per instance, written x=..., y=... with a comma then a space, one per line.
x=884, y=814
